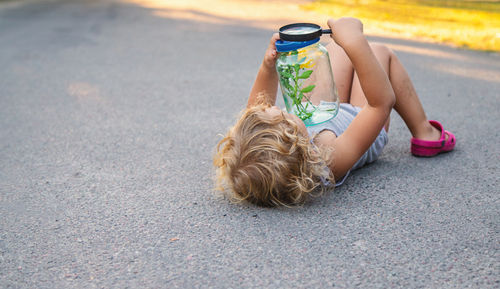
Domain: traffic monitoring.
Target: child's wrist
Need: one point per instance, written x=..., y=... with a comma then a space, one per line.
x=353, y=42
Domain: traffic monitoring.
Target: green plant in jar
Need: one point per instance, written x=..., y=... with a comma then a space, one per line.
x=292, y=78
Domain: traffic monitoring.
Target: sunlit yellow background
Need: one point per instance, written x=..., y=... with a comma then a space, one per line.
x=463, y=23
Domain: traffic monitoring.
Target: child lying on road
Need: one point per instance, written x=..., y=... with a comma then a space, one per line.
x=270, y=158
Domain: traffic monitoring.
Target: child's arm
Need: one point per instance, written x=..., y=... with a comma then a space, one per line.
x=267, y=78
x=362, y=132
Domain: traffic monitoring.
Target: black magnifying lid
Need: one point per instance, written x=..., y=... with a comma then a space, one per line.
x=302, y=32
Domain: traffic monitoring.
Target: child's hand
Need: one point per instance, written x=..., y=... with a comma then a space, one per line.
x=271, y=53
x=346, y=30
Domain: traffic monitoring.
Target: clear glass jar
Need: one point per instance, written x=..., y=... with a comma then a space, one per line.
x=306, y=81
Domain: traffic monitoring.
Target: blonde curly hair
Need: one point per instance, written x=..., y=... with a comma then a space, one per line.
x=266, y=161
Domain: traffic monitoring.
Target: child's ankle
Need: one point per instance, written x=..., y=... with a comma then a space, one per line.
x=428, y=132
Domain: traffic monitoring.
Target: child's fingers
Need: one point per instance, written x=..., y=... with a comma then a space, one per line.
x=345, y=28
x=272, y=45
x=273, y=54
x=275, y=37
x=330, y=22
x=273, y=40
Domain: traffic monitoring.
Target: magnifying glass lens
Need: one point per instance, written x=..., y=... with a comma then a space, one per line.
x=300, y=30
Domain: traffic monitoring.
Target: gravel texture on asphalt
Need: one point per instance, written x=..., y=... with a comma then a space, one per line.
x=109, y=116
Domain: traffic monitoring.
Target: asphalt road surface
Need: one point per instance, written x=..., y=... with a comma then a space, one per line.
x=109, y=115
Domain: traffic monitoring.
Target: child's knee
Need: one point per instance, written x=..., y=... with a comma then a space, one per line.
x=381, y=50
x=383, y=53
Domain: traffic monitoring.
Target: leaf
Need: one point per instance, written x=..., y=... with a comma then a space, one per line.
x=305, y=116
x=308, y=89
x=306, y=74
x=286, y=74
x=286, y=85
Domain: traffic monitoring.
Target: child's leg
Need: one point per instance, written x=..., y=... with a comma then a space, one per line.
x=407, y=104
x=343, y=71
x=357, y=95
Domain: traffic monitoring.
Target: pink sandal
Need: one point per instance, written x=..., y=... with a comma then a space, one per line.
x=425, y=148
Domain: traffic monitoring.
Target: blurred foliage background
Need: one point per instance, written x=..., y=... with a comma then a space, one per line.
x=463, y=23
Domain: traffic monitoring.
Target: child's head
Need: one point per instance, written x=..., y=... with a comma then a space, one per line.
x=268, y=160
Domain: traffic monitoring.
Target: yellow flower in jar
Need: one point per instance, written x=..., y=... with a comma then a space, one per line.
x=308, y=64
x=304, y=60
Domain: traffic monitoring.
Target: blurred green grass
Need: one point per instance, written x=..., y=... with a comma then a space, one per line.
x=463, y=23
